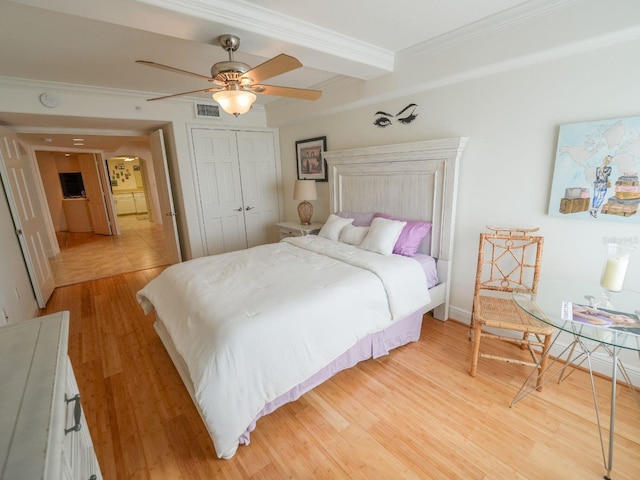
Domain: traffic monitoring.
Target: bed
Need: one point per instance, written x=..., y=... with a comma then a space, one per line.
x=254, y=329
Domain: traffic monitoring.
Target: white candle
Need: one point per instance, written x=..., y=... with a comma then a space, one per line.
x=614, y=272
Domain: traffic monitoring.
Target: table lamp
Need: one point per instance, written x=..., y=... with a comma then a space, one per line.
x=305, y=190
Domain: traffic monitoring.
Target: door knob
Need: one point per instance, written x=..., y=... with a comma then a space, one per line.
x=238, y=209
x=249, y=208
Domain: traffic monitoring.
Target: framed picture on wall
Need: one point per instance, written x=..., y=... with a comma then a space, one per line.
x=311, y=163
x=596, y=171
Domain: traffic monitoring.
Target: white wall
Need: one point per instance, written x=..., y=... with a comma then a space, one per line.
x=511, y=117
x=512, y=120
x=508, y=90
x=175, y=115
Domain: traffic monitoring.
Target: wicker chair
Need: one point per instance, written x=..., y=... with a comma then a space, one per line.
x=508, y=260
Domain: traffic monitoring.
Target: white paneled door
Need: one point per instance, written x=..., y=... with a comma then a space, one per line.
x=165, y=196
x=237, y=181
x=26, y=211
x=218, y=174
x=258, y=175
x=95, y=195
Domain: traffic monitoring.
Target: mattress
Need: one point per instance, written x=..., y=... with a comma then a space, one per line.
x=251, y=325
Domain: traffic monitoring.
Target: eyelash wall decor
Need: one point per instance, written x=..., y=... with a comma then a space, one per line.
x=404, y=117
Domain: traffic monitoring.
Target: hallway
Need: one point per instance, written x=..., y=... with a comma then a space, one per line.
x=87, y=256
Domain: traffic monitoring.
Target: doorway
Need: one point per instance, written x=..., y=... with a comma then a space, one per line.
x=135, y=238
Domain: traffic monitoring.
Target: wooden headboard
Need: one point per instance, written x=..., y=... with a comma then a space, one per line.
x=413, y=181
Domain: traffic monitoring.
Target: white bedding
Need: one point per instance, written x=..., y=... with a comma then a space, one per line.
x=252, y=324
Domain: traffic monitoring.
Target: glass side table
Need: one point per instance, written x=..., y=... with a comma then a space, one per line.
x=565, y=305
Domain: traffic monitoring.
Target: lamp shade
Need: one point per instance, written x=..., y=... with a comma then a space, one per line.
x=235, y=102
x=305, y=190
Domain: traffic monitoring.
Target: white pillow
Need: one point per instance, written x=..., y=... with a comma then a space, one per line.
x=353, y=235
x=333, y=227
x=382, y=235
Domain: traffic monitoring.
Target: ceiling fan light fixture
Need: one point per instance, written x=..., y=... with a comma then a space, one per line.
x=235, y=102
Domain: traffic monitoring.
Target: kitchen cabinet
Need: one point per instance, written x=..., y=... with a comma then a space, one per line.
x=131, y=202
x=140, y=202
x=124, y=203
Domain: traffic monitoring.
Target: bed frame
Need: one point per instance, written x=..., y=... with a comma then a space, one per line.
x=414, y=181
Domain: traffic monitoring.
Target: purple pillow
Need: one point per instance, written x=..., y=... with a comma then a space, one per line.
x=411, y=236
x=359, y=219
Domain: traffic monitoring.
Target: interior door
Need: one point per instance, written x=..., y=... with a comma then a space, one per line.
x=94, y=193
x=165, y=196
x=220, y=192
x=259, y=178
x=27, y=214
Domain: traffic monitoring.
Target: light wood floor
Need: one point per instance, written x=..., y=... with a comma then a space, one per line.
x=414, y=414
x=86, y=256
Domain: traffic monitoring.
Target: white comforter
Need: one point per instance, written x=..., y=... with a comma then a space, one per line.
x=252, y=324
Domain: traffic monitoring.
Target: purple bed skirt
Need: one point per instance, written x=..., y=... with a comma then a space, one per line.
x=372, y=346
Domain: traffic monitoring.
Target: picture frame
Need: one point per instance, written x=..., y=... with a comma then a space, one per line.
x=311, y=164
x=596, y=171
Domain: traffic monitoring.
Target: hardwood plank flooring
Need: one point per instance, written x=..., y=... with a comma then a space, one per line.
x=413, y=414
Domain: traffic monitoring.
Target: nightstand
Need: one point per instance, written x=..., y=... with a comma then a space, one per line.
x=294, y=229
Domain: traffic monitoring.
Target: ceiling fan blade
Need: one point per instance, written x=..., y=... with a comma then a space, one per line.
x=203, y=90
x=300, y=93
x=178, y=70
x=276, y=66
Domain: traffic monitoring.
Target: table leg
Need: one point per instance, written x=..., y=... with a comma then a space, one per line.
x=529, y=386
x=614, y=374
x=526, y=389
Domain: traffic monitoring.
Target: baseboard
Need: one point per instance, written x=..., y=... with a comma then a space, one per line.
x=601, y=365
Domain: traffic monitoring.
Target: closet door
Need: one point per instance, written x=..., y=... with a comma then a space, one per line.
x=259, y=179
x=218, y=180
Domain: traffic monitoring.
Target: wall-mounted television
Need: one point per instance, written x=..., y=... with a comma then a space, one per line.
x=72, y=185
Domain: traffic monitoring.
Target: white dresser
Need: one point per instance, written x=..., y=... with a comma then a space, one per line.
x=43, y=432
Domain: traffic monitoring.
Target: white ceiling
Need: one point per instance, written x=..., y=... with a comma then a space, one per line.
x=96, y=42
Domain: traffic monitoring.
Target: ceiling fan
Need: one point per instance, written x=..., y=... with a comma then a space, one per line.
x=235, y=83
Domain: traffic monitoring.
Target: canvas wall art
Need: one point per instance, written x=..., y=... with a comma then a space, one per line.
x=596, y=171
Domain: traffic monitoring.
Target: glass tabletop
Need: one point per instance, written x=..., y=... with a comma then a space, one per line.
x=575, y=307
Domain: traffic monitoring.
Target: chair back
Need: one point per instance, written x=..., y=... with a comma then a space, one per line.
x=509, y=259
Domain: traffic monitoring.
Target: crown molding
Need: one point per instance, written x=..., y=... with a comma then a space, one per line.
x=261, y=21
x=92, y=90
x=499, y=21
x=75, y=88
